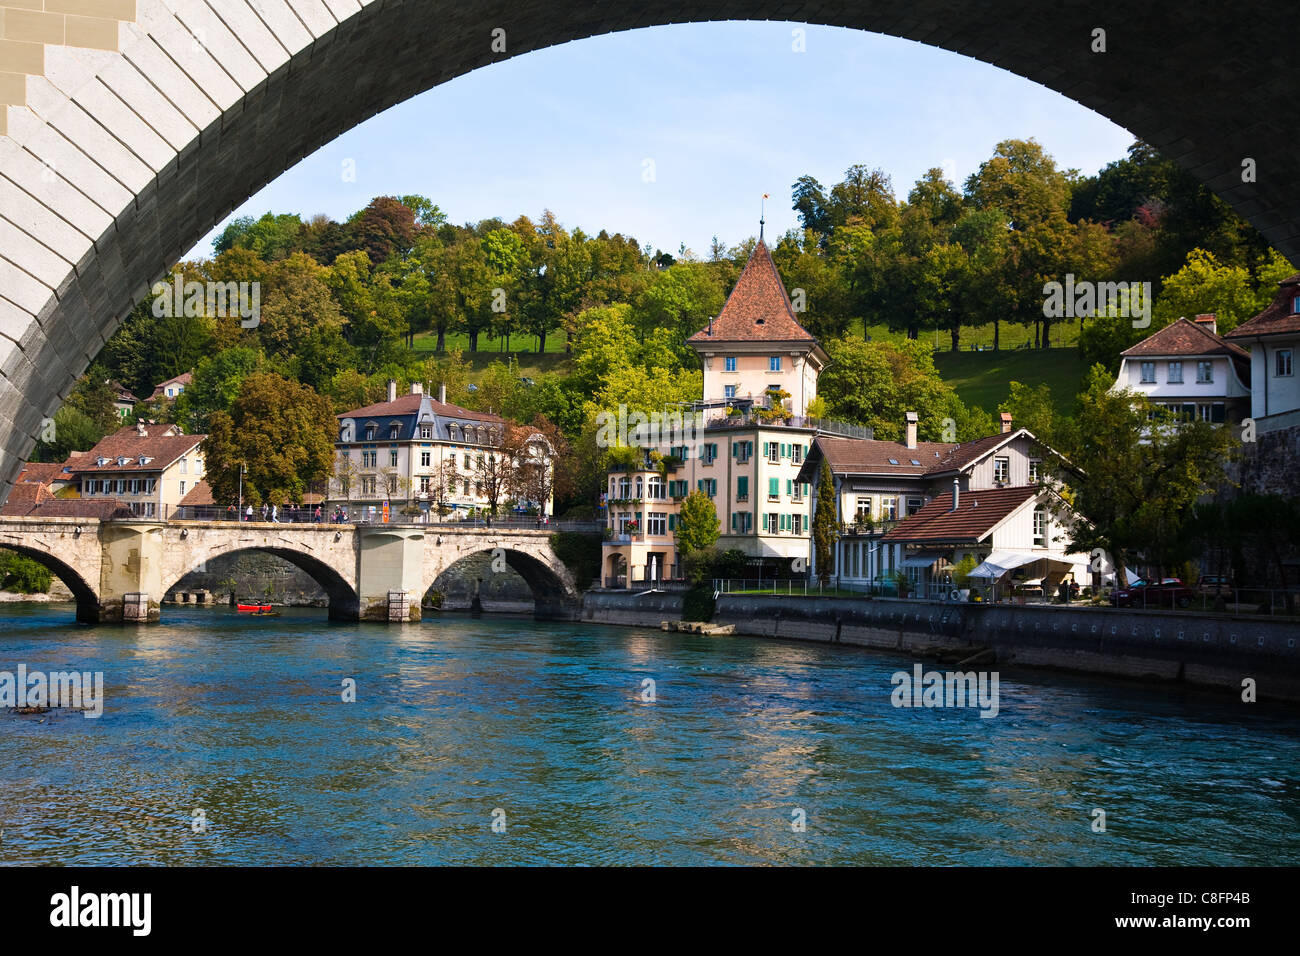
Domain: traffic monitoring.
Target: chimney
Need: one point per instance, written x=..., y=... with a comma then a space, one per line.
x=417, y=388
x=910, y=418
x=442, y=393
x=1006, y=422
x=392, y=389
x=140, y=429
x=956, y=494
x=1207, y=321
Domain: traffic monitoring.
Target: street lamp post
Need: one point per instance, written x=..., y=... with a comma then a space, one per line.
x=239, y=516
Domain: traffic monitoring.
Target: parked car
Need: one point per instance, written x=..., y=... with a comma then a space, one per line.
x=1169, y=592
x=1213, y=583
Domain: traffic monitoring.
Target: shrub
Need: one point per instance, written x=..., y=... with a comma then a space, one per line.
x=23, y=575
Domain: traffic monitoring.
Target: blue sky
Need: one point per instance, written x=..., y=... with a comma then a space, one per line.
x=725, y=111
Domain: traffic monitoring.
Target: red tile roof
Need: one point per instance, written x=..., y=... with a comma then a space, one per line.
x=758, y=309
x=23, y=497
x=101, y=508
x=1186, y=337
x=36, y=501
x=200, y=494
x=978, y=513
x=183, y=379
x=41, y=472
x=1279, y=318
x=129, y=444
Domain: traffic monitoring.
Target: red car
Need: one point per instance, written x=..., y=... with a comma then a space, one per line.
x=1170, y=592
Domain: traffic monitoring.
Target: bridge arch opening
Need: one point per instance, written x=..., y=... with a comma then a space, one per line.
x=83, y=592
x=344, y=604
x=194, y=141
x=497, y=579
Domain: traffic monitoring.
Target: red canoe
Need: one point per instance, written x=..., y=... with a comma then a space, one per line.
x=252, y=607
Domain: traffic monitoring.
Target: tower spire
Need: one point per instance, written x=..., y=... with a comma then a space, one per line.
x=762, y=215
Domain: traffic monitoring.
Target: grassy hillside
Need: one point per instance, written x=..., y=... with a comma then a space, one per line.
x=983, y=378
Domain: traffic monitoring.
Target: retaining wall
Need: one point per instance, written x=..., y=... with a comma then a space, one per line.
x=1207, y=651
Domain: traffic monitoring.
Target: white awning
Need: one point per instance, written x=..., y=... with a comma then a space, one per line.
x=1000, y=562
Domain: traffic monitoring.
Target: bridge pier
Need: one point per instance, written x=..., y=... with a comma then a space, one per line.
x=130, y=584
x=391, y=570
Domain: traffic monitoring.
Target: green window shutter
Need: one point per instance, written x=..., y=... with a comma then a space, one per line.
x=742, y=485
x=672, y=522
x=773, y=488
x=735, y=449
x=734, y=515
x=789, y=486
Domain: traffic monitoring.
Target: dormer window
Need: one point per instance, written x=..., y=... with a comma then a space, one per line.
x=101, y=461
x=121, y=461
x=1295, y=304
x=394, y=430
x=370, y=432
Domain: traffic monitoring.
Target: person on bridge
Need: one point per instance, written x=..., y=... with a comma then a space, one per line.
x=248, y=516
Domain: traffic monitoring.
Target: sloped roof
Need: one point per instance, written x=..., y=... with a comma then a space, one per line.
x=868, y=456
x=183, y=379
x=25, y=496
x=411, y=404
x=200, y=494
x=41, y=472
x=127, y=443
x=758, y=309
x=1278, y=318
x=1186, y=337
x=978, y=513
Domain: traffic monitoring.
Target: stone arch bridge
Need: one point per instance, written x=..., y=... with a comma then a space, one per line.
x=129, y=128
x=121, y=569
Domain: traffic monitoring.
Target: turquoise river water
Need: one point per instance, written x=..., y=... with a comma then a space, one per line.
x=545, y=729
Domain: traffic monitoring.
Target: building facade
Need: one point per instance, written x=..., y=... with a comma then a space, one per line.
x=743, y=445
x=1273, y=338
x=910, y=511
x=423, y=454
x=147, y=467
x=1191, y=370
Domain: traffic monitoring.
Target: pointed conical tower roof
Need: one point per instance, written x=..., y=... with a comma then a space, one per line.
x=758, y=309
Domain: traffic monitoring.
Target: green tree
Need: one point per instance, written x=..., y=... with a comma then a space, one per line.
x=214, y=385
x=1133, y=480
x=825, y=525
x=697, y=524
x=281, y=431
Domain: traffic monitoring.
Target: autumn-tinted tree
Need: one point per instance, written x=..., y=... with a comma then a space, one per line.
x=281, y=431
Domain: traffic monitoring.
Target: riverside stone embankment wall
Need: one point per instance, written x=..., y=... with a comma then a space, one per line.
x=1206, y=651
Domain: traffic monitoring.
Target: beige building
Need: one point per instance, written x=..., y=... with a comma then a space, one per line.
x=149, y=468
x=416, y=452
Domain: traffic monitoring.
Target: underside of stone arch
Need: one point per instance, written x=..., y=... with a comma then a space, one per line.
x=119, y=159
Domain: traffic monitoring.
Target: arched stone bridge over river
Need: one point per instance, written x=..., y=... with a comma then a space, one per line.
x=121, y=569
